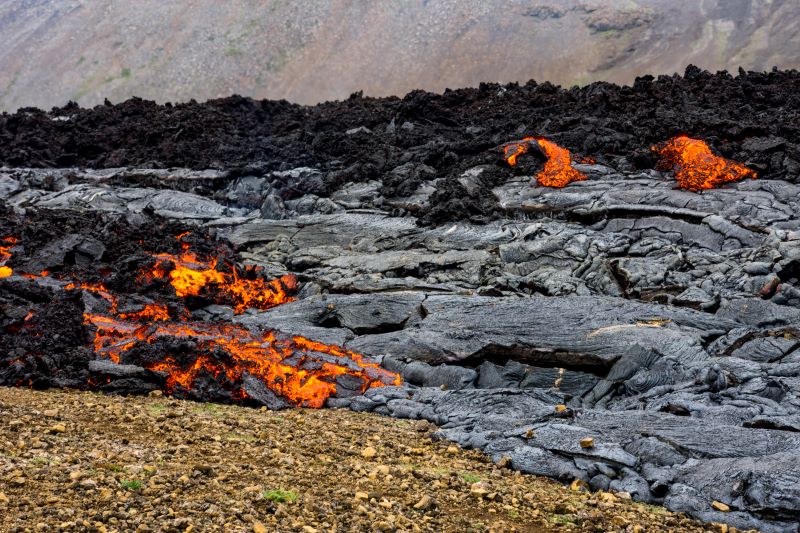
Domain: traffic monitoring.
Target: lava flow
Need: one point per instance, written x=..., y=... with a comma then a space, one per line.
x=161, y=337
x=5, y=255
x=297, y=369
x=301, y=371
x=696, y=167
x=557, y=171
x=190, y=276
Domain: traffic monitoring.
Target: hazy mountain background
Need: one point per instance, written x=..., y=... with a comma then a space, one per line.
x=313, y=50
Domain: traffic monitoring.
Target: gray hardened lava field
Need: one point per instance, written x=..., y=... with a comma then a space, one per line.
x=598, y=284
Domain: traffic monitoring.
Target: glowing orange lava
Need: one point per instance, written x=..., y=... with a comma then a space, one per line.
x=557, y=171
x=301, y=371
x=513, y=150
x=696, y=167
x=154, y=312
x=296, y=369
x=97, y=288
x=5, y=255
x=5, y=248
x=189, y=275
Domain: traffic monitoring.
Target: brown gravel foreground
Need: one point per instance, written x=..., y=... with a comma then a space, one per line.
x=75, y=461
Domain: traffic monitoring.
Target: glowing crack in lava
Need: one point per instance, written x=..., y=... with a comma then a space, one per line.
x=557, y=171
x=6, y=243
x=696, y=167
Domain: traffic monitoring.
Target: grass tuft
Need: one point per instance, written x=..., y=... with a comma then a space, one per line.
x=131, y=484
x=280, y=496
x=564, y=519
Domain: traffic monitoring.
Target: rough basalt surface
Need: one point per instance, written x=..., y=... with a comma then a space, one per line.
x=663, y=324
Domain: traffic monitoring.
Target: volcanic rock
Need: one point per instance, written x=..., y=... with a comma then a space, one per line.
x=619, y=331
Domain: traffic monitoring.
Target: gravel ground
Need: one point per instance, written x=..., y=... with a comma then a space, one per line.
x=77, y=461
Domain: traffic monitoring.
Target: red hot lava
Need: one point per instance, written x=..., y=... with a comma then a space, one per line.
x=301, y=371
x=696, y=167
x=189, y=276
x=557, y=171
x=6, y=243
x=295, y=368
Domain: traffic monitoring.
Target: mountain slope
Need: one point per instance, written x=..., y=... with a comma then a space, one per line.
x=57, y=50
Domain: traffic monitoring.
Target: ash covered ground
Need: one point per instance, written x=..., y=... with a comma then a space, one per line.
x=662, y=323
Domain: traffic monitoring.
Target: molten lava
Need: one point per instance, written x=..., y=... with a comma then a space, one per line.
x=190, y=275
x=295, y=368
x=557, y=171
x=696, y=167
x=153, y=312
x=97, y=288
x=513, y=150
x=301, y=371
x=5, y=254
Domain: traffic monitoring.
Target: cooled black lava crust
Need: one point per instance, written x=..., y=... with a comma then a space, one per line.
x=753, y=118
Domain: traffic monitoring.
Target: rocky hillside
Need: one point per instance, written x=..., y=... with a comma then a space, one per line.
x=57, y=50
